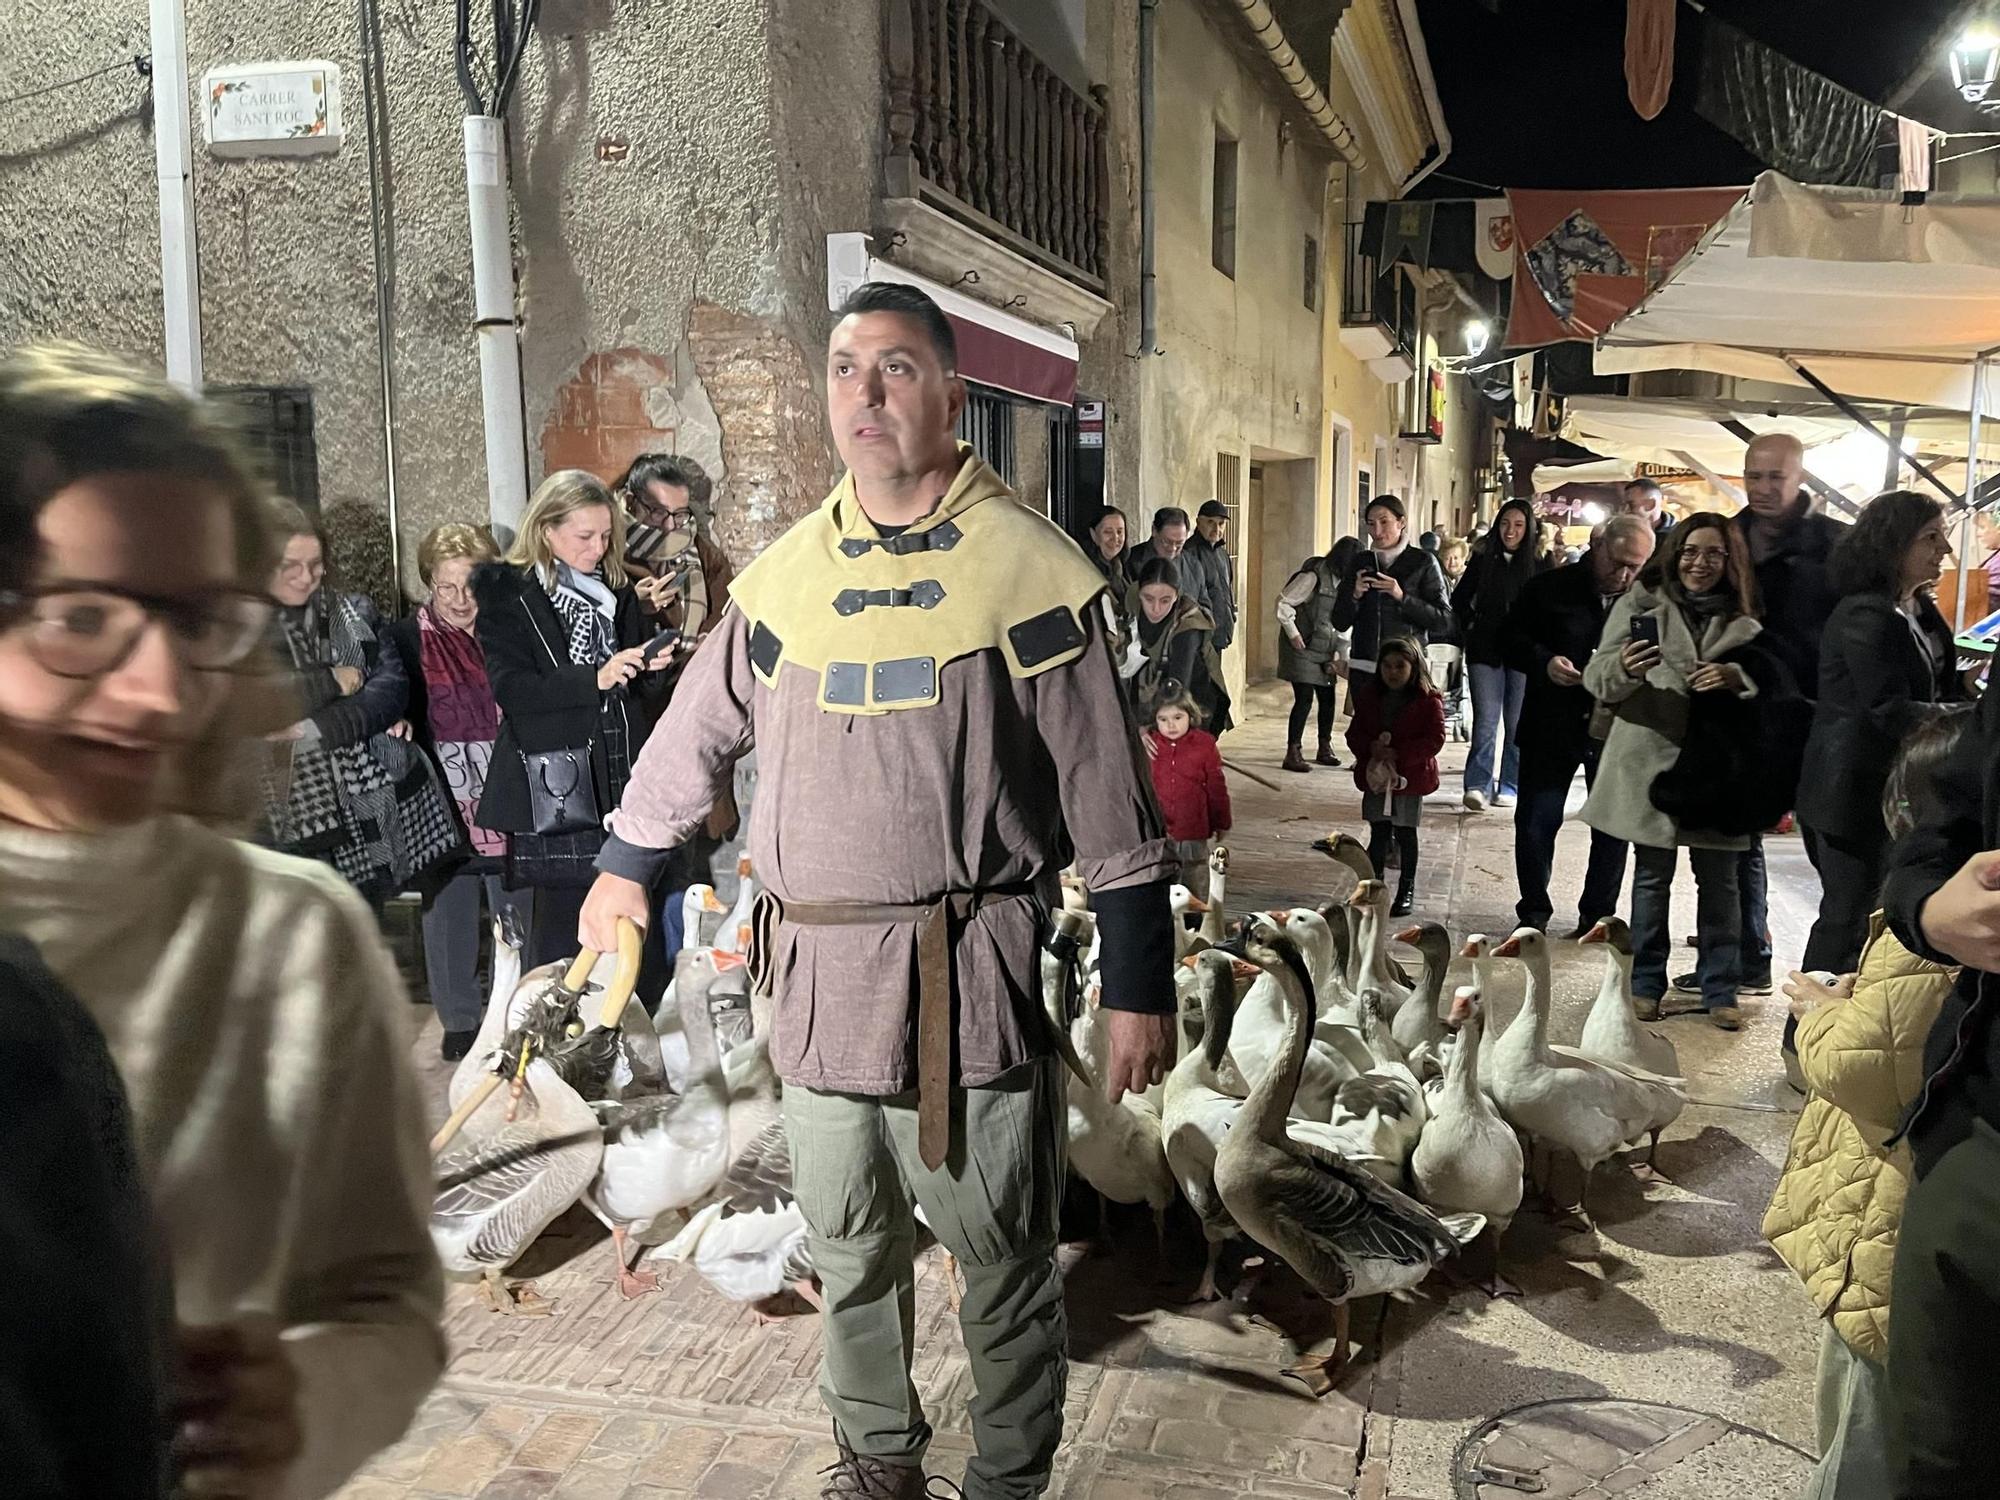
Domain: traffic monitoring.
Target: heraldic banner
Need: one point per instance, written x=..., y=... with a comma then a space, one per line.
x=1583, y=260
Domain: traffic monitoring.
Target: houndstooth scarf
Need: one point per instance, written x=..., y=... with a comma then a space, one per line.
x=588, y=609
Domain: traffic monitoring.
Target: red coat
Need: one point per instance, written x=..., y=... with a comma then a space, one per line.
x=1417, y=736
x=1187, y=777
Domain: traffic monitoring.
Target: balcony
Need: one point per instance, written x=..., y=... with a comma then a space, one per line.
x=1378, y=313
x=981, y=130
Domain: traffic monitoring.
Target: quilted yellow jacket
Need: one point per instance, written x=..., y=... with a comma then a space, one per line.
x=1838, y=1206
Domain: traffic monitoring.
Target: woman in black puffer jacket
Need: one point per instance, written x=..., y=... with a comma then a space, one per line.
x=1500, y=567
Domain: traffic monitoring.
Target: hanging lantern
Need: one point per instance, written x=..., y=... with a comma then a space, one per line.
x=1975, y=63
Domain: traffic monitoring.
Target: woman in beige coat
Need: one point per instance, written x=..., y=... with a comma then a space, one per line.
x=1839, y=1204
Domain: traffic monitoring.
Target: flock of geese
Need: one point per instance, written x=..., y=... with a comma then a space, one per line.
x=1327, y=1106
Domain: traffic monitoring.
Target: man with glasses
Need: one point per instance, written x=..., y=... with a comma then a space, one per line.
x=682, y=576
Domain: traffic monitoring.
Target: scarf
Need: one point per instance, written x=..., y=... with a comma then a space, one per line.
x=588, y=608
x=464, y=719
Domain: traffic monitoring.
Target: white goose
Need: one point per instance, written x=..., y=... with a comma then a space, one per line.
x=733, y=936
x=1613, y=1030
x=1198, y=1113
x=1215, y=921
x=1377, y=972
x=666, y=1152
x=1346, y=1234
x=1381, y=1113
x=1588, y=1106
x=1418, y=1028
x=1258, y=1036
x=1346, y=850
x=1469, y=1160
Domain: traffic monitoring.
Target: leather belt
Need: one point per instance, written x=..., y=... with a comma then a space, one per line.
x=937, y=924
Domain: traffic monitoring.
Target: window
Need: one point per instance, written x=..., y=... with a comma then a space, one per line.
x=1229, y=490
x=988, y=424
x=1223, y=205
x=275, y=424
x=1312, y=274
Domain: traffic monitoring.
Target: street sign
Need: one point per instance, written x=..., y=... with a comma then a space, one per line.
x=272, y=109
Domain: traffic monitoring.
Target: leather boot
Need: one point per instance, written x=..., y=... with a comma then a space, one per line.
x=1326, y=757
x=859, y=1477
x=1406, y=895
x=1295, y=759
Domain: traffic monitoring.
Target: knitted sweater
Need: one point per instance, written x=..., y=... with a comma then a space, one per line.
x=249, y=1004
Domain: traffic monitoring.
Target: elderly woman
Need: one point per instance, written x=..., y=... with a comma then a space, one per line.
x=342, y=789
x=246, y=997
x=578, y=674
x=450, y=712
x=1697, y=756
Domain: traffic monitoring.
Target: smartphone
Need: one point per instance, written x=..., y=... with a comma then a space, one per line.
x=661, y=642
x=1647, y=628
x=1368, y=570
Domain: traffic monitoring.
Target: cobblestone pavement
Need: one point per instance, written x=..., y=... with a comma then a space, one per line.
x=1674, y=1299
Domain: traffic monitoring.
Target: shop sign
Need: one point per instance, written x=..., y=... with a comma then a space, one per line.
x=272, y=109
x=1090, y=424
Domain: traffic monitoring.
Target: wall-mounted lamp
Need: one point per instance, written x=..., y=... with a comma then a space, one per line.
x=1975, y=63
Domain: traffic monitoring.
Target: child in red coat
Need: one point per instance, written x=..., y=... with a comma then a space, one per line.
x=1396, y=734
x=1187, y=778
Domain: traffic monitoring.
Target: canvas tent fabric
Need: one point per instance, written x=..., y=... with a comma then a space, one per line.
x=1882, y=301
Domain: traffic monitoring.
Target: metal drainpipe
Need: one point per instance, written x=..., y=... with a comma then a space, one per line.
x=375, y=109
x=1149, y=291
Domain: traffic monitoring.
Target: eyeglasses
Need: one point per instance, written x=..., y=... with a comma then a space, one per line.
x=1717, y=555
x=293, y=568
x=88, y=630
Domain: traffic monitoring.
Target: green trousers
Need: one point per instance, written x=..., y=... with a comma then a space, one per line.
x=1944, y=1327
x=995, y=1205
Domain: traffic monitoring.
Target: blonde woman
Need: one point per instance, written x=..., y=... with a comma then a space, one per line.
x=449, y=710
x=565, y=637
x=245, y=996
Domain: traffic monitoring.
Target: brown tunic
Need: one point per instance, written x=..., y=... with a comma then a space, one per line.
x=1003, y=782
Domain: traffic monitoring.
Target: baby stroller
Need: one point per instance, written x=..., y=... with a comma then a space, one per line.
x=1447, y=669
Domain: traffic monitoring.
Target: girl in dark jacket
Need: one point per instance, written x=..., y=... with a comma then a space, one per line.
x=1885, y=661
x=1396, y=734
x=1188, y=780
x=1391, y=589
x=1494, y=577
x=565, y=637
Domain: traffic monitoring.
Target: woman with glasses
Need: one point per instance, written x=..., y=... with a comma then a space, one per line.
x=246, y=998
x=449, y=711
x=1700, y=714
x=341, y=788
x=577, y=669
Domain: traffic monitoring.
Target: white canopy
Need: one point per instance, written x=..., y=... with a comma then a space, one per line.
x=1880, y=300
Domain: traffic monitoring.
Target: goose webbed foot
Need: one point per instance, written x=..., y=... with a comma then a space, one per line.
x=631, y=1283
x=1319, y=1373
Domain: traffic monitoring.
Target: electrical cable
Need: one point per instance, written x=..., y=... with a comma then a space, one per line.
x=467, y=84
x=140, y=63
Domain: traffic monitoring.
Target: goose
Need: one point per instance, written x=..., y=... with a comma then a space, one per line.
x=1588, y=1106
x=499, y=1189
x=1613, y=1030
x=1469, y=1160
x=1418, y=1029
x=1215, y=921
x=1371, y=900
x=1198, y=1113
x=1381, y=1113
x=718, y=984
x=733, y=936
x=1119, y=1149
x=1258, y=1036
x=1346, y=1234
x=668, y=1151
x=1345, y=849
x=697, y=900
x=750, y=1241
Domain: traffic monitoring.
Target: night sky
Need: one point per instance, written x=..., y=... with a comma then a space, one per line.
x=1535, y=96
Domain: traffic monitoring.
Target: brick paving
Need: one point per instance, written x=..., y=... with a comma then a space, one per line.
x=682, y=1394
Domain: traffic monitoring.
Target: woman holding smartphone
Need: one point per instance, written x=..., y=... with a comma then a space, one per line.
x=1686, y=632
x=567, y=644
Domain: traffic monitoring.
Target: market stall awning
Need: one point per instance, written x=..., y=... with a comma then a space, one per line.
x=1880, y=299
x=995, y=348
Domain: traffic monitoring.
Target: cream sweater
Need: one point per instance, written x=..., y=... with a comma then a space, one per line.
x=249, y=1003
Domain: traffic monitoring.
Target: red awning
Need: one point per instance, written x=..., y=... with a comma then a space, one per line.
x=994, y=358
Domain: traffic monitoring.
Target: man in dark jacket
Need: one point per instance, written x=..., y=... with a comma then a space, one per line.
x=1208, y=549
x=1789, y=548
x=1942, y=898
x=1171, y=531
x=1646, y=500
x=1391, y=588
x=1550, y=633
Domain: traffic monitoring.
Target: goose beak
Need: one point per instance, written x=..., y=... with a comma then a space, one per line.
x=1470, y=949
x=1509, y=949
x=1189, y=962
x=1243, y=969
x=1596, y=934
x=1410, y=935
x=724, y=962
x=710, y=901
x=1280, y=917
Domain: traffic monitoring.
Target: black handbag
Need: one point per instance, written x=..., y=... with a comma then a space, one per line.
x=562, y=793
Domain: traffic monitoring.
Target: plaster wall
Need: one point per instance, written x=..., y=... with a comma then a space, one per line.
x=1241, y=367
x=684, y=255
